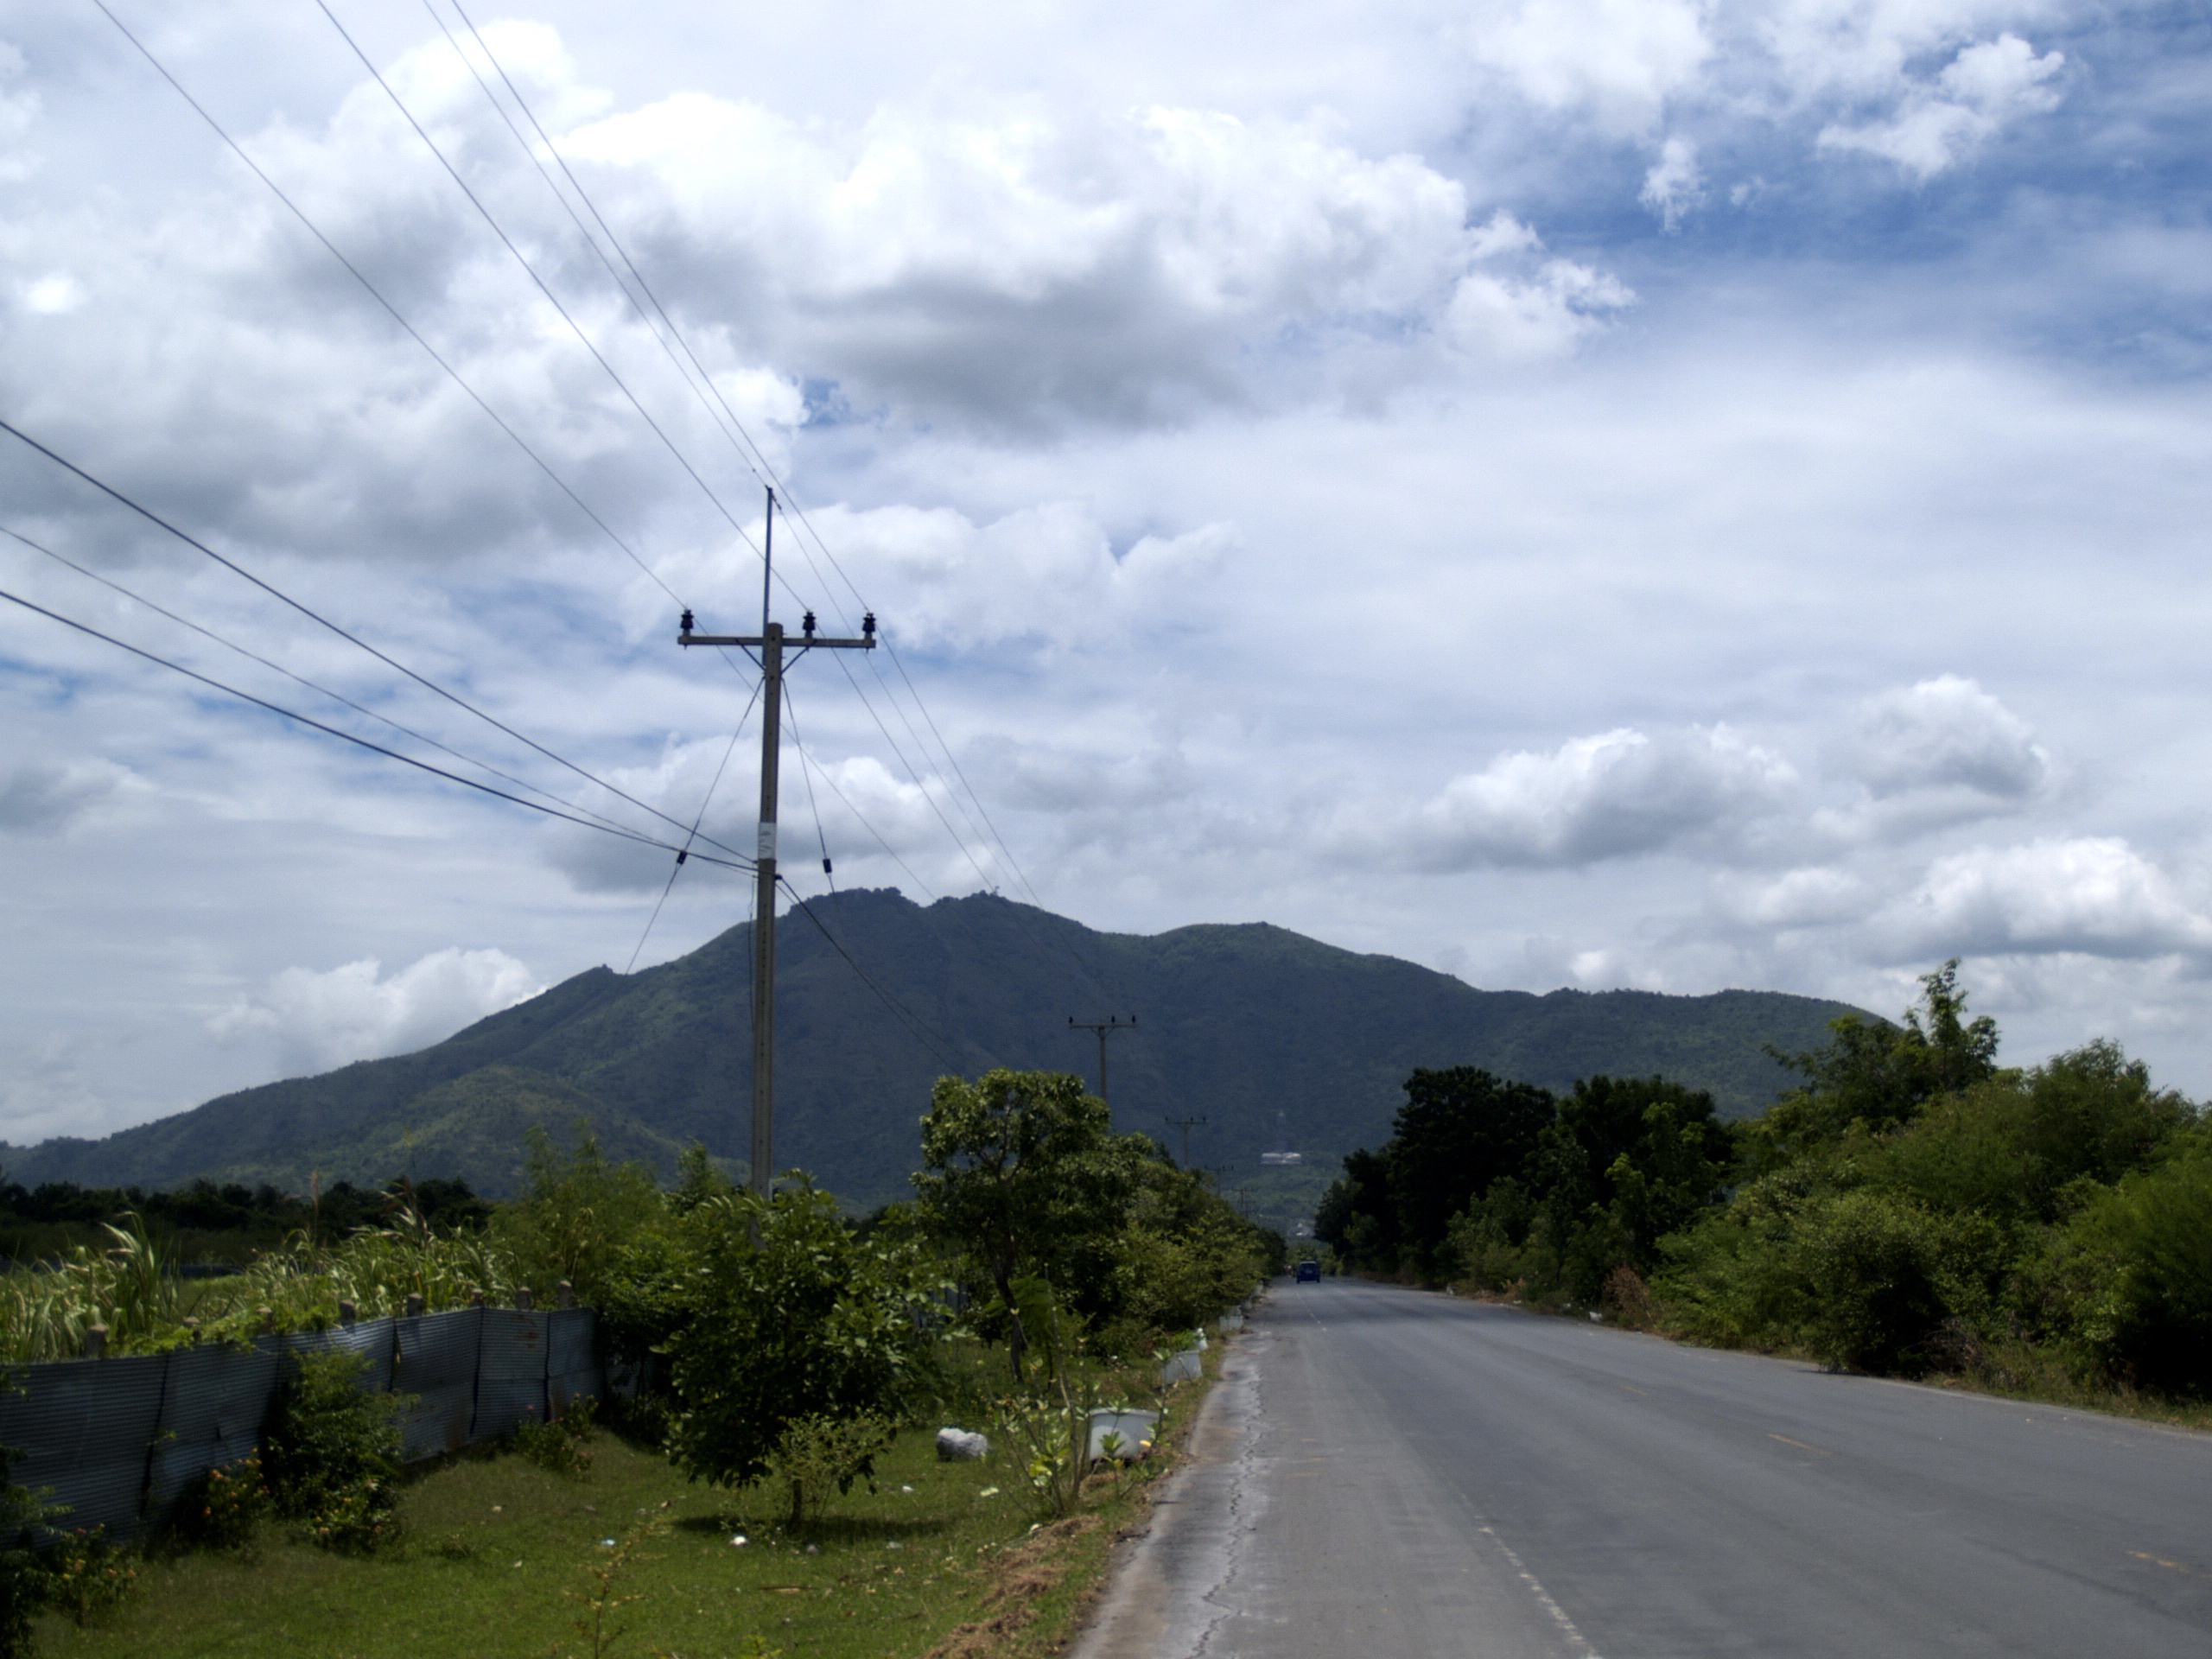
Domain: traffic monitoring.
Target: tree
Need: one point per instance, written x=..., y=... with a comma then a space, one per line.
x=1022, y=1172
x=1459, y=1131
x=775, y=1314
x=1876, y=1075
x=1356, y=1216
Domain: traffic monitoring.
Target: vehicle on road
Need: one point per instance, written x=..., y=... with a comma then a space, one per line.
x=1309, y=1270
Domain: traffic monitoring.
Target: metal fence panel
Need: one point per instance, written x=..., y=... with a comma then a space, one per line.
x=509, y=1372
x=437, y=1366
x=370, y=1338
x=86, y=1426
x=573, y=1369
x=213, y=1401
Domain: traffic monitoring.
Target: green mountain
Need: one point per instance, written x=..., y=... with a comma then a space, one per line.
x=1266, y=1035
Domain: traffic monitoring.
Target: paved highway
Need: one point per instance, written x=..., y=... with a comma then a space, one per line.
x=1385, y=1474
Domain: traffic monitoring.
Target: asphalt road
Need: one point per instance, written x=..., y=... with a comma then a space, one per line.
x=1385, y=1474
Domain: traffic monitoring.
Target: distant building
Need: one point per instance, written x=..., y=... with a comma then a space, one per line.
x=1282, y=1157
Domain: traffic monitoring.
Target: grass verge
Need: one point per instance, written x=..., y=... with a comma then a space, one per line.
x=942, y=1559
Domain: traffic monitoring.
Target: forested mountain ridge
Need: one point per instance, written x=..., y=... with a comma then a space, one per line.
x=1259, y=1030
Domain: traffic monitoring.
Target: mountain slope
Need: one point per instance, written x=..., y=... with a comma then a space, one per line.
x=1246, y=1026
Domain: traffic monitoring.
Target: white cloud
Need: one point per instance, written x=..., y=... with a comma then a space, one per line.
x=1814, y=897
x=1618, y=60
x=317, y=1021
x=1986, y=88
x=1121, y=264
x=53, y=295
x=1674, y=187
x=2097, y=896
x=1946, y=733
x=1612, y=796
x=1047, y=574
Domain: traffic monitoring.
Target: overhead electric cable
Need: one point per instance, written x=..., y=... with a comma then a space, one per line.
x=376, y=294
x=297, y=679
x=236, y=569
x=913, y=1022
x=683, y=851
x=531, y=271
x=357, y=742
x=749, y=451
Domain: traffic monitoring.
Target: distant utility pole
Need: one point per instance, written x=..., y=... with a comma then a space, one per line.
x=1186, y=1124
x=770, y=642
x=1105, y=1028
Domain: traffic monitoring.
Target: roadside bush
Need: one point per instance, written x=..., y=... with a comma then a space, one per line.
x=1886, y=1276
x=2133, y=1273
x=224, y=1507
x=774, y=1311
x=334, y=1453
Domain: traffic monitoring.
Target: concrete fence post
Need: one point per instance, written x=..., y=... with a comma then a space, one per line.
x=95, y=1341
x=524, y=1299
x=346, y=1313
x=567, y=1293
x=415, y=1305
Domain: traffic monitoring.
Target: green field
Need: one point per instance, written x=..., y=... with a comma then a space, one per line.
x=499, y=1552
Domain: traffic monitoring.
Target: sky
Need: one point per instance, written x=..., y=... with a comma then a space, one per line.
x=1677, y=494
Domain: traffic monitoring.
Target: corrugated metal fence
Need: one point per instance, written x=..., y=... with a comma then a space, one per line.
x=119, y=1439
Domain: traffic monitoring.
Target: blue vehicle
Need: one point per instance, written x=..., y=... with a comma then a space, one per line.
x=1309, y=1271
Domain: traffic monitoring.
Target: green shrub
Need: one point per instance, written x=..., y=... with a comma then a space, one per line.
x=334, y=1453
x=24, y=1515
x=88, y=1576
x=776, y=1311
x=223, y=1507
x=563, y=1444
x=1886, y=1276
x=822, y=1453
x=2136, y=1266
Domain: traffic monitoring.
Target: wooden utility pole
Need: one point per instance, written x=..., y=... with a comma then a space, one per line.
x=769, y=643
x=1186, y=1124
x=1105, y=1028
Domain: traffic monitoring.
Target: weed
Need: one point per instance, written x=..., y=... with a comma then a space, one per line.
x=88, y=1576
x=561, y=1445
x=602, y=1604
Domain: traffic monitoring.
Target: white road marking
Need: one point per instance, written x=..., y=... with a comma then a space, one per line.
x=1543, y=1596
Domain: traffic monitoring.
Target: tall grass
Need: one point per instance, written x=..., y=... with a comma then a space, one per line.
x=128, y=1288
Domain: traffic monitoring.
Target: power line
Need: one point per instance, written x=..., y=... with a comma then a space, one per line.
x=319, y=690
x=913, y=1021
x=391, y=310
x=231, y=565
x=682, y=852
x=531, y=271
x=756, y=460
x=357, y=742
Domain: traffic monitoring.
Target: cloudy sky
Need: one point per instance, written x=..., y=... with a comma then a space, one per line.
x=1675, y=494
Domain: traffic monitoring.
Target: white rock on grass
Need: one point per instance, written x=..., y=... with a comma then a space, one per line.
x=954, y=1445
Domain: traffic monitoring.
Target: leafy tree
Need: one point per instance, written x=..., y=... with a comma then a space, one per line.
x=1021, y=1172
x=2014, y=1147
x=1459, y=1130
x=1878, y=1076
x=577, y=1215
x=774, y=1313
x=1357, y=1218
